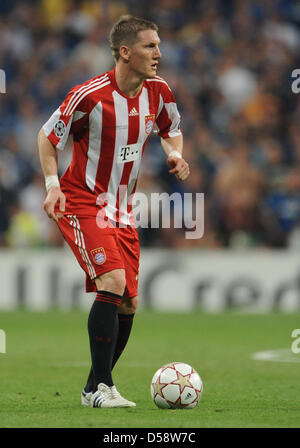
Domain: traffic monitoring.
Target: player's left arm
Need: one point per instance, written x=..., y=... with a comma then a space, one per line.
x=168, y=124
x=173, y=147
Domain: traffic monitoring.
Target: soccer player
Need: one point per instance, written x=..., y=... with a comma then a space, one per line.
x=111, y=117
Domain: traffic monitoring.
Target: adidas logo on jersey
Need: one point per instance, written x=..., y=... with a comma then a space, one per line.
x=133, y=112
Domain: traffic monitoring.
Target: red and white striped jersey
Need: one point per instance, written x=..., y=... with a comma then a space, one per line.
x=110, y=132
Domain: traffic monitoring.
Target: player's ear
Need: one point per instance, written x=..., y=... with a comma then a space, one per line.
x=125, y=53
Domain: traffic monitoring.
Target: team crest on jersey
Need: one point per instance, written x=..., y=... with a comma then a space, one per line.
x=98, y=255
x=59, y=128
x=149, y=123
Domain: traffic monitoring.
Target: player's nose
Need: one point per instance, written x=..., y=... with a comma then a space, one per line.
x=158, y=54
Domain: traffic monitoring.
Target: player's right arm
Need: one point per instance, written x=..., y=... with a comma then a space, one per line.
x=51, y=138
x=48, y=160
x=70, y=117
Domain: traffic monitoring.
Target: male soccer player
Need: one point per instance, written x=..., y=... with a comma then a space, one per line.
x=111, y=117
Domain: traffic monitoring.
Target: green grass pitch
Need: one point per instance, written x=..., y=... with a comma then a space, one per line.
x=47, y=362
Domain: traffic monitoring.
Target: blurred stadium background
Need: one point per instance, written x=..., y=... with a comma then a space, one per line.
x=230, y=66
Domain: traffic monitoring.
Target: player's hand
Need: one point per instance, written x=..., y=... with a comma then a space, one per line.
x=54, y=196
x=179, y=167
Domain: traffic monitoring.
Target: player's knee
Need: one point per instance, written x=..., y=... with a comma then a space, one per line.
x=113, y=281
x=129, y=305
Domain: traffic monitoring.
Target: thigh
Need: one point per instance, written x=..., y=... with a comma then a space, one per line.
x=97, y=250
x=129, y=247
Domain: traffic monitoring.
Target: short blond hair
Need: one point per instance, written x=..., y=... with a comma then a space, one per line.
x=125, y=30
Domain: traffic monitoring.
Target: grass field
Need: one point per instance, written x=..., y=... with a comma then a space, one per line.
x=47, y=361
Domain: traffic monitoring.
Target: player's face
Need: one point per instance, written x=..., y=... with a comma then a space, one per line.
x=145, y=54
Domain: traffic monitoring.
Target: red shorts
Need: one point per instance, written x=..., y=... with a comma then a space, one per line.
x=102, y=250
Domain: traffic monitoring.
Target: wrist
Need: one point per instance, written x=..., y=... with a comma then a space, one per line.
x=51, y=181
x=175, y=153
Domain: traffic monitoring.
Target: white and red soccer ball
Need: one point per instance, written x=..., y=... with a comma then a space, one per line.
x=176, y=386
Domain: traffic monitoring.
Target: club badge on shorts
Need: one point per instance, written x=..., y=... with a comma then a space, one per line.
x=149, y=123
x=99, y=256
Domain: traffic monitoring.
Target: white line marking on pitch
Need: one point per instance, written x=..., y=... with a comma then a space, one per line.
x=280, y=355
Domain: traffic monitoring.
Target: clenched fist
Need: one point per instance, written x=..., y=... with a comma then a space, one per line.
x=179, y=167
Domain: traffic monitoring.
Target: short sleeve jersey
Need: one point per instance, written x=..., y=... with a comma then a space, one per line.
x=110, y=132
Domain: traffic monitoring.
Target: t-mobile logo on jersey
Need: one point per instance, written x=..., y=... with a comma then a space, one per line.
x=129, y=153
x=2, y=81
x=2, y=341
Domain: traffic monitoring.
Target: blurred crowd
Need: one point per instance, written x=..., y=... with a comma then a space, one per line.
x=229, y=64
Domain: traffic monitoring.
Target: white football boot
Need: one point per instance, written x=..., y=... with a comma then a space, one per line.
x=116, y=394
x=86, y=398
x=105, y=398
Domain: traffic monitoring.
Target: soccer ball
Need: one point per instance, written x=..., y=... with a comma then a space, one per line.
x=176, y=386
